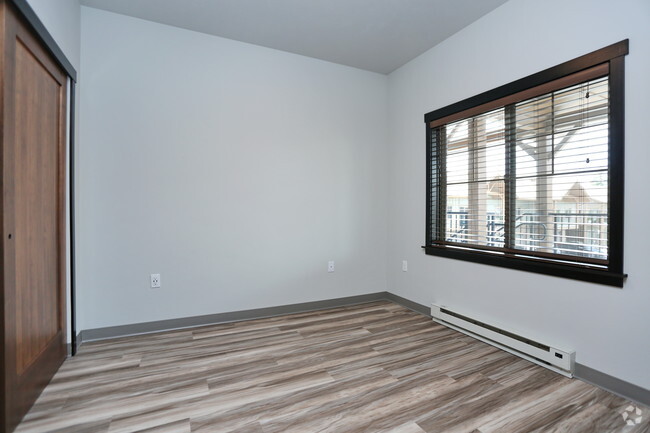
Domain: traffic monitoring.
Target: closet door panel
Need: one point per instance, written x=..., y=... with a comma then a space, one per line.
x=34, y=98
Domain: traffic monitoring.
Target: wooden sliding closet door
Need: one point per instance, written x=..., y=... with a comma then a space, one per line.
x=34, y=93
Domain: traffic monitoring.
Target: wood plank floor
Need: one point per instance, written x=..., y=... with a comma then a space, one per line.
x=374, y=367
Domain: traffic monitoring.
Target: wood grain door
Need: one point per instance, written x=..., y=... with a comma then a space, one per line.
x=33, y=216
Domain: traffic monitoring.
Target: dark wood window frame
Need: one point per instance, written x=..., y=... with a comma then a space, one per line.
x=608, y=61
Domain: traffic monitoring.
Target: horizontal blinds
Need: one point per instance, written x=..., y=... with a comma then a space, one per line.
x=437, y=184
x=555, y=192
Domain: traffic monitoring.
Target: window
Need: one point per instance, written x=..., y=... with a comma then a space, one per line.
x=530, y=175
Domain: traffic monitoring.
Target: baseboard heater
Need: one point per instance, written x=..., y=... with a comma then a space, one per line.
x=558, y=360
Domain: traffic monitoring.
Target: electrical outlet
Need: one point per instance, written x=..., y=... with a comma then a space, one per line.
x=405, y=266
x=155, y=280
x=330, y=266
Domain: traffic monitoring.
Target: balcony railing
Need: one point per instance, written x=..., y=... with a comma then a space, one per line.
x=575, y=234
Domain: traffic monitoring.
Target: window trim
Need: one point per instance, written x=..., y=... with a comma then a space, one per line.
x=612, y=57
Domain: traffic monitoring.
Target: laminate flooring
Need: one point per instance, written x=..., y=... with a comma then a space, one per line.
x=374, y=367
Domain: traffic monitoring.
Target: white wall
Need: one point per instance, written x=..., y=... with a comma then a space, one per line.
x=233, y=170
x=62, y=18
x=608, y=327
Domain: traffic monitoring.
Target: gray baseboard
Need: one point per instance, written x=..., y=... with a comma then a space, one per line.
x=613, y=384
x=414, y=306
x=233, y=316
x=609, y=383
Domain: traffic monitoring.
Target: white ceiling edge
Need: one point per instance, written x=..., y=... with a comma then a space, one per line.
x=374, y=35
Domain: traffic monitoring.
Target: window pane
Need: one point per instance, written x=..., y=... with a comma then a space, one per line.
x=457, y=151
x=475, y=168
x=563, y=214
x=561, y=172
x=583, y=149
x=581, y=128
x=475, y=213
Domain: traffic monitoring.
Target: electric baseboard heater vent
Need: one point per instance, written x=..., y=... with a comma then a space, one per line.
x=558, y=360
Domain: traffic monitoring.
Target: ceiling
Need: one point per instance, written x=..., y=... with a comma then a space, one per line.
x=375, y=35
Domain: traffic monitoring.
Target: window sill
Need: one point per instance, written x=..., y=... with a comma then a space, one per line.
x=575, y=272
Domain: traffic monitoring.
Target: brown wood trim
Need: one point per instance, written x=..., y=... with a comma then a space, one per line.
x=564, y=270
x=570, y=80
x=555, y=258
